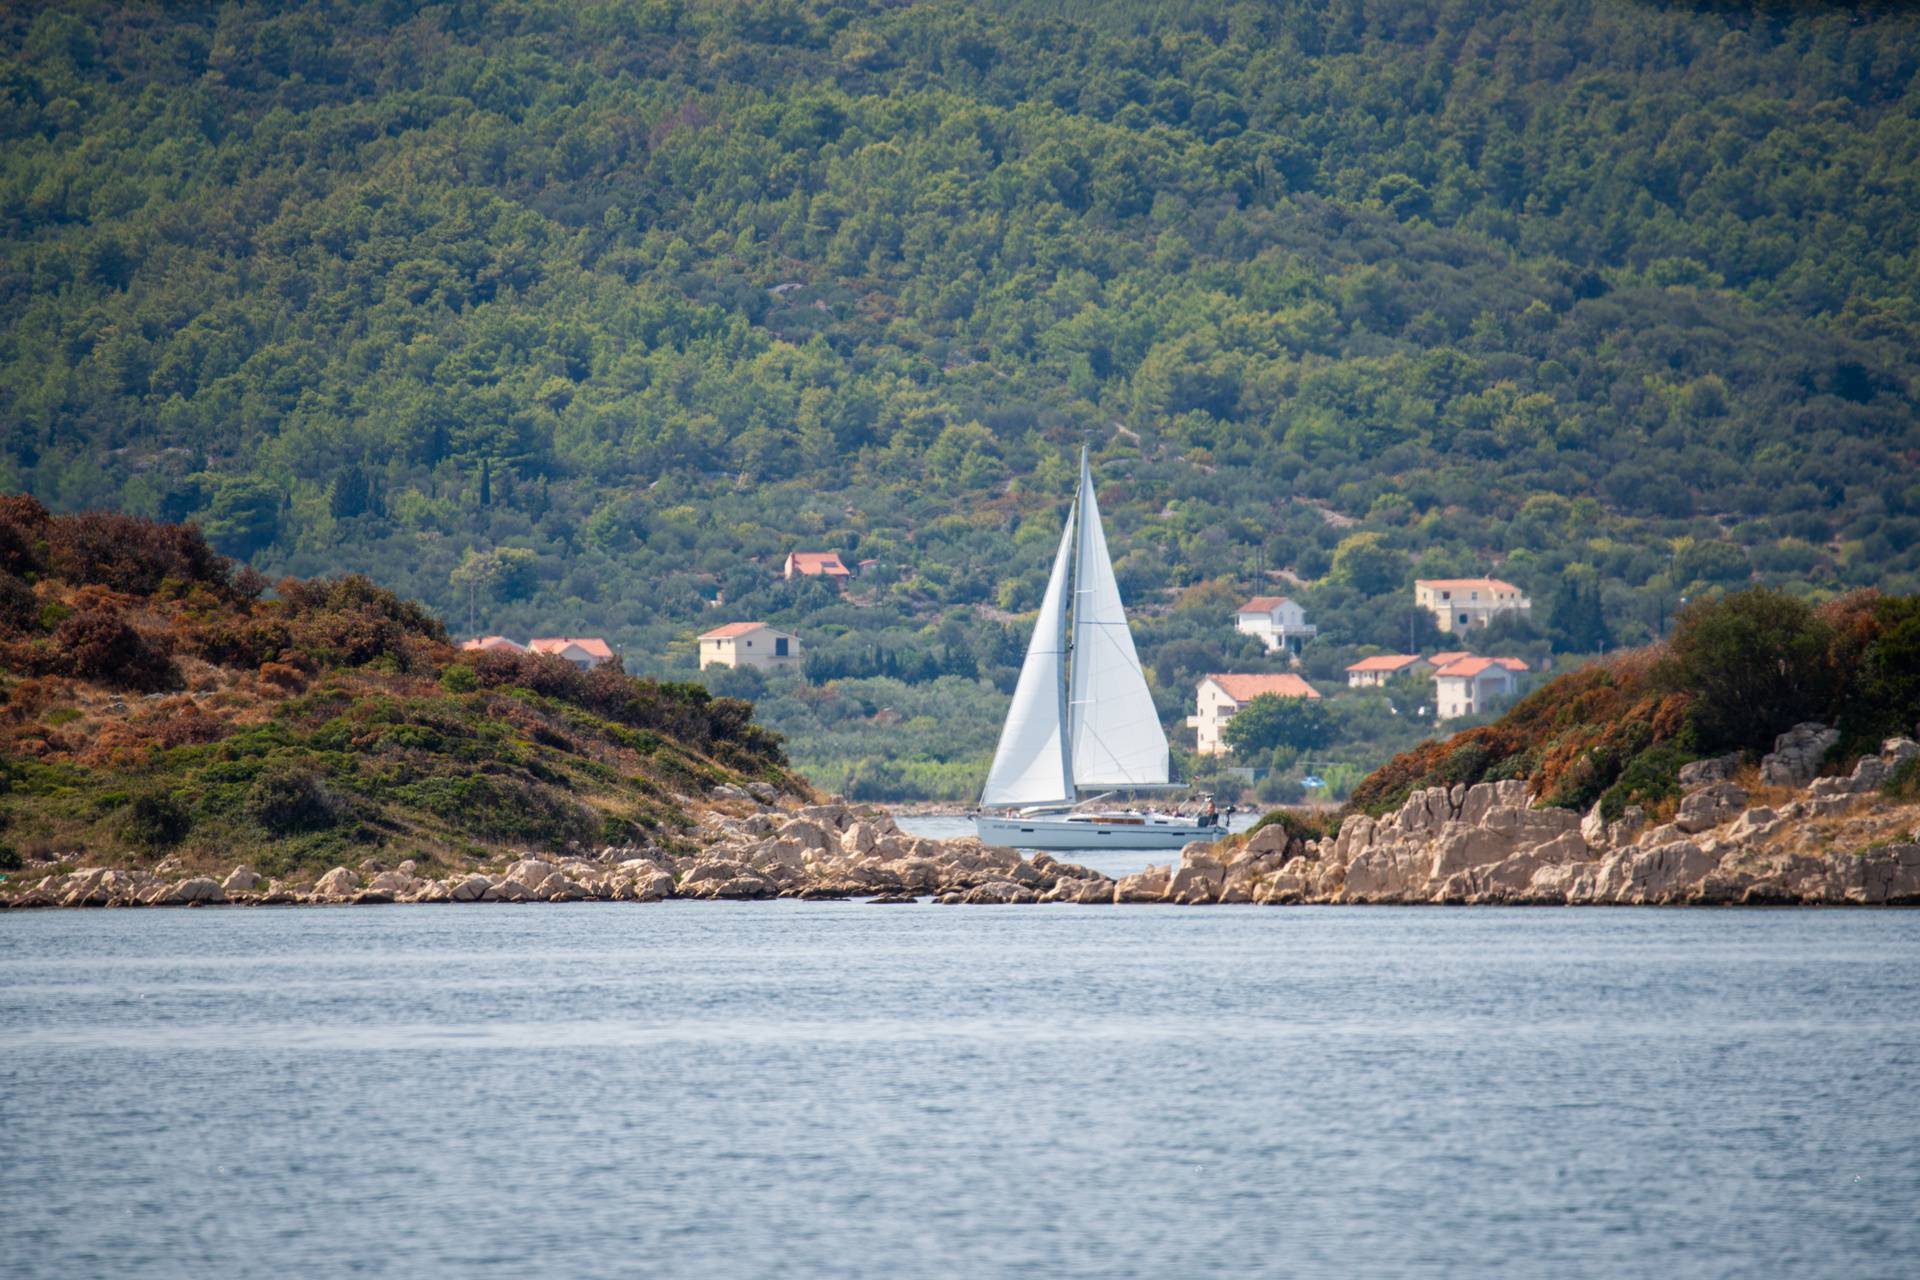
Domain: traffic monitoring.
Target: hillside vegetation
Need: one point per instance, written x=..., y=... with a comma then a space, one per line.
x=154, y=703
x=1736, y=673
x=576, y=317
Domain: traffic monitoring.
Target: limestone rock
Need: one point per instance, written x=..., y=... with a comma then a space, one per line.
x=470, y=889
x=1194, y=883
x=1144, y=886
x=1796, y=754
x=1699, y=773
x=507, y=890
x=806, y=833
x=1708, y=806
x=337, y=884
x=242, y=879
x=196, y=889
x=530, y=872
x=392, y=882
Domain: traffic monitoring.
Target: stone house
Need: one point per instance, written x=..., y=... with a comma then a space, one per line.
x=1219, y=696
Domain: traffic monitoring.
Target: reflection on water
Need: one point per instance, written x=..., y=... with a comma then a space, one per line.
x=839, y=1089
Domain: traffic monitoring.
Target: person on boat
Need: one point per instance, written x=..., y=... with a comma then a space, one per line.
x=1213, y=815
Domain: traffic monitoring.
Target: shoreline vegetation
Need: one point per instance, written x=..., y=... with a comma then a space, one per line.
x=1834, y=841
x=164, y=717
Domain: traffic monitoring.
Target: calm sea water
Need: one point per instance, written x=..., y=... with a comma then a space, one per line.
x=734, y=1089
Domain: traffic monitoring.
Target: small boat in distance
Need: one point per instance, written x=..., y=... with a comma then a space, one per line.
x=1082, y=721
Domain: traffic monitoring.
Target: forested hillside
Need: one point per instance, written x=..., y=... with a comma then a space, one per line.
x=580, y=316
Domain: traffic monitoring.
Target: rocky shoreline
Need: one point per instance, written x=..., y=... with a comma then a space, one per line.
x=1769, y=835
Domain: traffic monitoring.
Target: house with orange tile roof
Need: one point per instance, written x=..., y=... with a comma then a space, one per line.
x=1371, y=673
x=1467, y=687
x=815, y=564
x=749, y=644
x=1466, y=604
x=1278, y=621
x=1220, y=695
x=584, y=652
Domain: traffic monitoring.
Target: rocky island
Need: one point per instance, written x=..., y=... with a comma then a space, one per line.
x=179, y=733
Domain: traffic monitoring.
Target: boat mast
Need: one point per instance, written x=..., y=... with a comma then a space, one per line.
x=1066, y=643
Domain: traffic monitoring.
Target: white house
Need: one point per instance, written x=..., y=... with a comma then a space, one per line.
x=584, y=652
x=1461, y=604
x=749, y=644
x=1219, y=696
x=1277, y=620
x=1371, y=673
x=1465, y=687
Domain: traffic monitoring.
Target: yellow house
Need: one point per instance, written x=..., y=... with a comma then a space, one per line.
x=749, y=644
x=1461, y=604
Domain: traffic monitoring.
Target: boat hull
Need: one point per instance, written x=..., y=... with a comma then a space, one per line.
x=1090, y=836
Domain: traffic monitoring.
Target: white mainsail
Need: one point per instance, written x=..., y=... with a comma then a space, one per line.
x=1031, y=765
x=1113, y=726
x=1095, y=726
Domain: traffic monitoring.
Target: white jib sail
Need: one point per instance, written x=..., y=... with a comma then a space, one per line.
x=1030, y=766
x=1115, y=730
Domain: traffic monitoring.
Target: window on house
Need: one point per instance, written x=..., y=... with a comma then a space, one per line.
x=780, y=647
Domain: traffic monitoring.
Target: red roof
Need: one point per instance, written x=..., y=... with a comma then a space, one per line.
x=1448, y=658
x=731, y=630
x=494, y=644
x=1245, y=688
x=1466, y=584
x=1474, y=666
x=1385, y=662
x=1263, y=604
x=592, y=646
x=814, y=564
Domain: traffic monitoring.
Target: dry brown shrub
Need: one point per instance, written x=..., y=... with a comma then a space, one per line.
x=281, y=675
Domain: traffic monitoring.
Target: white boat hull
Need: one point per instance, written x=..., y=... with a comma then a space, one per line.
x=1089, y=835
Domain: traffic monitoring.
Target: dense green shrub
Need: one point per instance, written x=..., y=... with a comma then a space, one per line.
x=1754, y=664
x=287, y=798
x=1904, y=782
x=1649, y=779
x=154, y=820
x=1298, y=826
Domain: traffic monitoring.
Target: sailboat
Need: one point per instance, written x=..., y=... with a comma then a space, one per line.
x=1082, y=720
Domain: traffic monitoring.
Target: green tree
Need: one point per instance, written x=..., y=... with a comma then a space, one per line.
x=1575, y=620
x=1755, y=663
x=242, y=518
x=1364, y=562
x=1271, y=721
